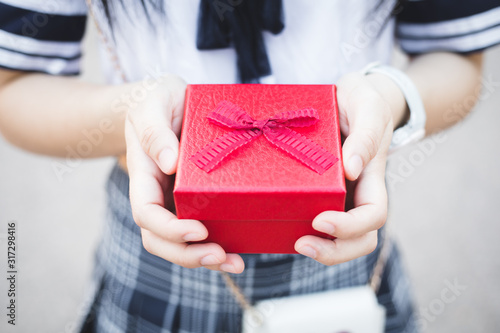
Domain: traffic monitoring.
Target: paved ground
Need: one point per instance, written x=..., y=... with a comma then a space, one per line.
x=444, y=210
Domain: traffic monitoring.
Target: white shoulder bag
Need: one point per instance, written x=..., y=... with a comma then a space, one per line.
x=349, y=310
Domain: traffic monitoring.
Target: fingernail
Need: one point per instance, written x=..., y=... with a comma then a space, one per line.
x=308, y=251
x=325, y=227
x=166, y=159
x=355, y=165
x=192, y=237
x=228, y=268
x=209, y=260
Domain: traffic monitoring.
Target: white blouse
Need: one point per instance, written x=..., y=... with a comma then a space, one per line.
x=322, y=39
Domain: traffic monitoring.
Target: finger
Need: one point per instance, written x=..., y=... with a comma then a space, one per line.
x=209, y=255
x=137, y=159
x=158, y=140
x=146, y=198
x=333, y=252
x=183, y=254
x=233, y=264
x=145, y=177
x=370, y=212
x=368, y=116
x=157, y=120
x=352, y=224
x=166, y=225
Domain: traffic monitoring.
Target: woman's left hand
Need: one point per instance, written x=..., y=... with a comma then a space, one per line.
x=368, y=108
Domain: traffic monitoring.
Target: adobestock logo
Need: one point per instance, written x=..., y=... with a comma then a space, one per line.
x=32, y=25
x=448, y=295
x=367, y=33
x=221, y=7
x=94, y=137
x=405, y=166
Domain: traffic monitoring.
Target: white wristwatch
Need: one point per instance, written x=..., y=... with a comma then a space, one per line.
x=414, y=129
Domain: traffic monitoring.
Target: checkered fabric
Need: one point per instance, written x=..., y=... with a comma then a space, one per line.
x=139, y=292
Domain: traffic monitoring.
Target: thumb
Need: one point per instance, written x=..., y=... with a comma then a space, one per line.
x=365, y=118
x=364, y=141
x=360, y=147
x=158, y=140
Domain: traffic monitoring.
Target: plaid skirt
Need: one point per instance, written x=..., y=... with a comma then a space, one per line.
x=135, y=291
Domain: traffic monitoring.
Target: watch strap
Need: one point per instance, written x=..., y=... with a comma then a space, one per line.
x=414, y=129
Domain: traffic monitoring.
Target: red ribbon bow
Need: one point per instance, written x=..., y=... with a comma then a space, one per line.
x=275, y=129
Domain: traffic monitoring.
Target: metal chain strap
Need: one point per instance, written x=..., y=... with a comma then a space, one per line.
x=374, y=281
x=107, y=44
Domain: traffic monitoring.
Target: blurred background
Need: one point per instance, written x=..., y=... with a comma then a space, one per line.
x=444, y=213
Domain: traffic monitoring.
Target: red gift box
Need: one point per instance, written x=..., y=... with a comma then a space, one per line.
x=254, y=186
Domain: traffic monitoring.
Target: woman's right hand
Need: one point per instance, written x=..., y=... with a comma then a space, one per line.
x=152, y=128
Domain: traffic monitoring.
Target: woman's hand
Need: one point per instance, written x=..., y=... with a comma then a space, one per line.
x=152, y=129
x=369, y=106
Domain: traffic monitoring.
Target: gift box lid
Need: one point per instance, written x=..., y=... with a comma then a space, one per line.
x=258, y=181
